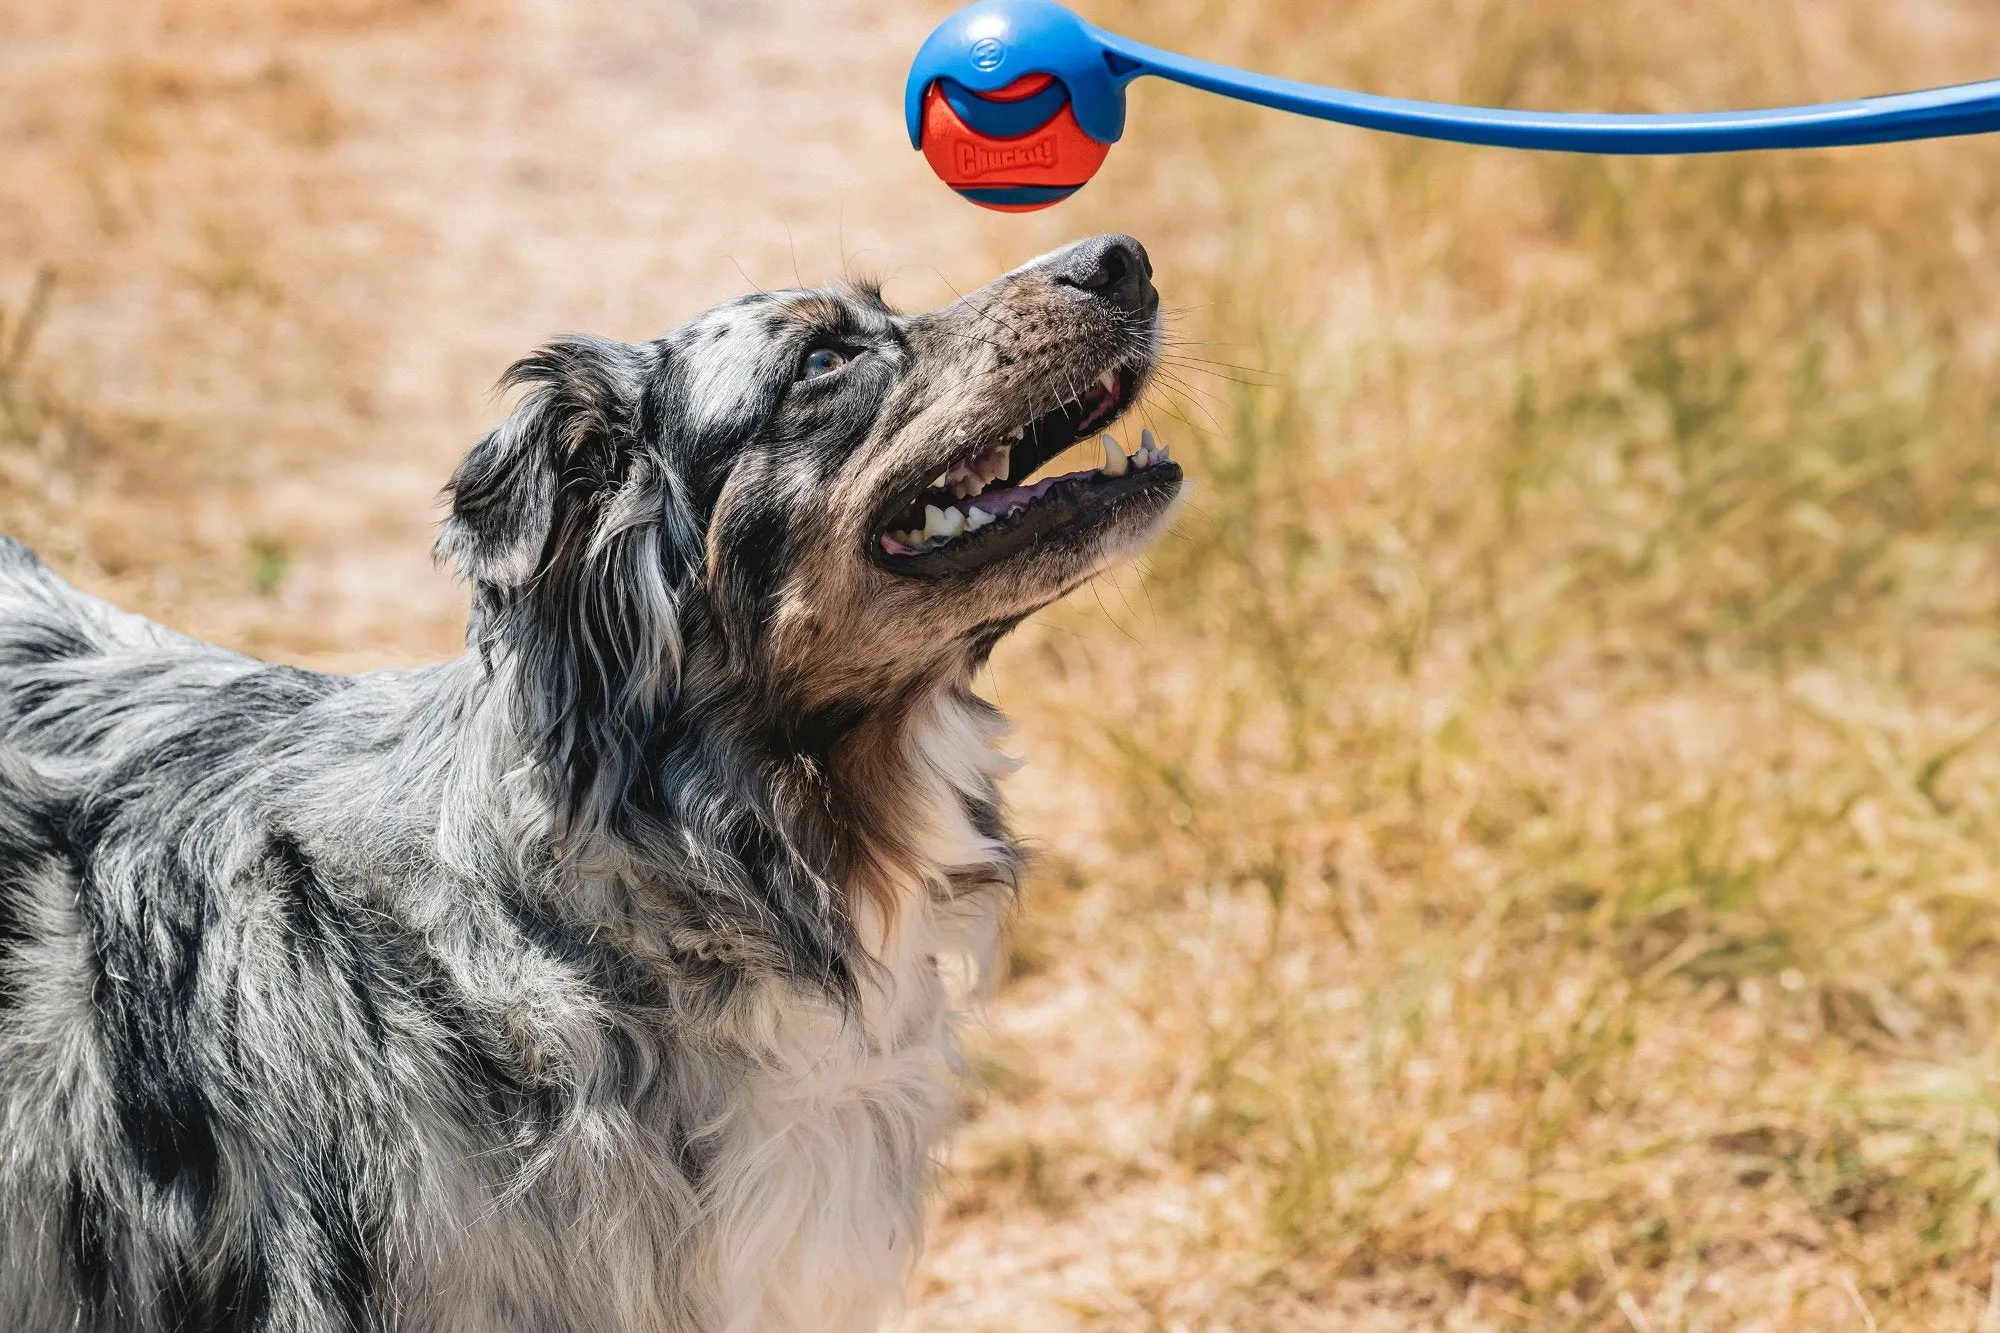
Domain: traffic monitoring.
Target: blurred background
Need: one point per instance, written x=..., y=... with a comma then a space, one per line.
x=1524, y=853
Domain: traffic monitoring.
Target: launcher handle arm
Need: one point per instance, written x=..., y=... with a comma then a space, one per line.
x=1972, y=108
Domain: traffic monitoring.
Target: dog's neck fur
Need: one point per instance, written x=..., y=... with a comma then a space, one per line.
x=811, y=852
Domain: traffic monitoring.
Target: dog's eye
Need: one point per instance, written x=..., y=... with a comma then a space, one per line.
x=821, y=361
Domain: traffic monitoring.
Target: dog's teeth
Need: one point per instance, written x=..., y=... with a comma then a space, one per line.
x=975, y=519
x=943, y=524
x=1108, y=381
x=1151, y=451
x=1114, y=457
x=1019, y=431
x=967, y=478
x=1000, y=463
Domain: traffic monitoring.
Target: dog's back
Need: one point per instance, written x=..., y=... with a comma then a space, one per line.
x=81, y=677
x=174, y=1154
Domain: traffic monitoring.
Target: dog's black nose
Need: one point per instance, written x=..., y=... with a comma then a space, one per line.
x=1113, y=267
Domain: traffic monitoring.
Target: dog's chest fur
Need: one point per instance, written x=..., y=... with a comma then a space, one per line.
x=822, y=1220
x=816, y=1144
x=806, y=1212
x=815, y=1156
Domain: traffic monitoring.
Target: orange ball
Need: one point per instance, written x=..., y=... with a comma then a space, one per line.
x=1044, y=166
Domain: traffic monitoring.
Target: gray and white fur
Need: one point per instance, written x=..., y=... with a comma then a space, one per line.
x=596, y=980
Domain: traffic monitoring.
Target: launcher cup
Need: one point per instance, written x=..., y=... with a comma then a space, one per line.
x=1015, y=103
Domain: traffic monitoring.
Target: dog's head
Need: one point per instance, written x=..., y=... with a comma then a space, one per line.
x=806, y=498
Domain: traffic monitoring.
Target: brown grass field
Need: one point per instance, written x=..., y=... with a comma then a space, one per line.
x=1525, y=851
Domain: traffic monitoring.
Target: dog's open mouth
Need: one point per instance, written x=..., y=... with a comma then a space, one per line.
x=987, y=505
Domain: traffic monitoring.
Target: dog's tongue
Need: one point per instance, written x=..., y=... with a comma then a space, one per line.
x=1000, y=503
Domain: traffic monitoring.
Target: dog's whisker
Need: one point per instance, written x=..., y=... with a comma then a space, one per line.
x=1220, y=368
x=1166, y=379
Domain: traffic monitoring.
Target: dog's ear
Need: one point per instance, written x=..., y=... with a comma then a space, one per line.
x=568, y=433
x=573, y=526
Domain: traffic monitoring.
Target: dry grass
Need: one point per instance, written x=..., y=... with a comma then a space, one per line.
x=1524, y=855
x=1540, y=865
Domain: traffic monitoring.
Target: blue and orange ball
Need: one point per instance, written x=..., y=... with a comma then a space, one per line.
x=1013, y=150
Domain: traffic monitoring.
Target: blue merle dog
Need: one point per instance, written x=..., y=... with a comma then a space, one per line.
x=601, y=979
